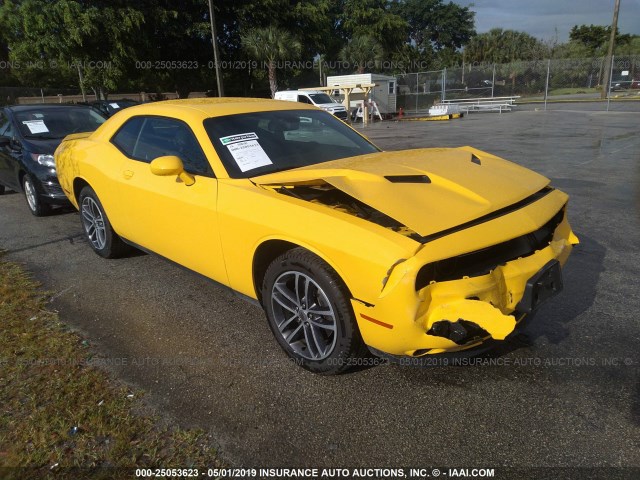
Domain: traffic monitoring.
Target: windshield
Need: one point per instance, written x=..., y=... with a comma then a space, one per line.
x=117, y=105
x=57, y=122
x=253, y=144
x=320, y=98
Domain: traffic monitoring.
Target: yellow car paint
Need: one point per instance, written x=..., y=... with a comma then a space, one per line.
x=467, y=192
x=216, y=225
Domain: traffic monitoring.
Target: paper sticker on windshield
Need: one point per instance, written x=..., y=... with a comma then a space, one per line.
x=38, y=115
x=36, y=126
x=114, y=105
x=238, y=138
x=248, y=154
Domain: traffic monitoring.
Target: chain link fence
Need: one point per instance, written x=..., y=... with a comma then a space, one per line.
x=549, y=82
x=553, y=83
x=416, y=92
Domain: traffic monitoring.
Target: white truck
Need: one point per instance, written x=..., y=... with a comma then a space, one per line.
x=314, y=97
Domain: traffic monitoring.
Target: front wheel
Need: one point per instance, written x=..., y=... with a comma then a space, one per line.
x=1, y=189
x=36, y=206
x=309, y=312
x=97, y=228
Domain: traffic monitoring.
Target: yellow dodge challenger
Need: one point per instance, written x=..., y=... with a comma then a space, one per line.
x=409, y=253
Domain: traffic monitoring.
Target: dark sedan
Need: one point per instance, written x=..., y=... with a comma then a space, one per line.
x=29, y=134
x=111, y=107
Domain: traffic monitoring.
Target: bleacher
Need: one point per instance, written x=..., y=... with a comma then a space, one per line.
x=489, y=104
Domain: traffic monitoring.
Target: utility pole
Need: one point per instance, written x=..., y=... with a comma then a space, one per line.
x=608, y=67
x=81, y=78
x=216, y=54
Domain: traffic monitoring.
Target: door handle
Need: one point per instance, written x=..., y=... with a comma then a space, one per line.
x=127, y=174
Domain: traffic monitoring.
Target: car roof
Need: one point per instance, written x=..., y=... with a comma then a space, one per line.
x=204, y=103
x=202, y=108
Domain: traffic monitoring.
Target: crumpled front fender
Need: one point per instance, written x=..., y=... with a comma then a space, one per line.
x=408, y=322
x=484, y=315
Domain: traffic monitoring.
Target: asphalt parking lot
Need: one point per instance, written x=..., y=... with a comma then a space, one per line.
x=565, y=394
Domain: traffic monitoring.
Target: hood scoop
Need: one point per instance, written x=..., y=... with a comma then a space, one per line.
x=428, y=191
x=408, y=178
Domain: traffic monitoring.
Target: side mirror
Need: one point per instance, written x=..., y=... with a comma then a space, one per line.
x=15, y=145
x=171, y=165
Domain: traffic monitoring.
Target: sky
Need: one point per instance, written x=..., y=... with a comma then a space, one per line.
x=541, y=18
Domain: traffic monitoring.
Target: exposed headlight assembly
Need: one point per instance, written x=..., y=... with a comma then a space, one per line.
x=44, y=159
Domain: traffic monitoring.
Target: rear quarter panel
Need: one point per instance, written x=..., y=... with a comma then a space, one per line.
x=67, y=165
x=98, y=164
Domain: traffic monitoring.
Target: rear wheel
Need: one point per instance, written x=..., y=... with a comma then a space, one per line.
x=97, y=228
x=309, y=312
x=36, y=206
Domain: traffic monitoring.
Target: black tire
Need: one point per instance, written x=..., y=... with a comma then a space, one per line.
x=1, y=189
x=328, y=343
x=35, y=204
x=97, y=228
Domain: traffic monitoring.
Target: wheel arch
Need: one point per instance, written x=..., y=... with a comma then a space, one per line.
x=21, y=174
x=271, y=249
x=78, y=184
x=266, y=253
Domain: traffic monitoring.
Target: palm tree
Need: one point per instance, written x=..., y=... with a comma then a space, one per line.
x=363, y=51
x=270, y=45
x=504, y=46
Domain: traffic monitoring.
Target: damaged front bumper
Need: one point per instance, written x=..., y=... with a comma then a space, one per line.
x=460, y=314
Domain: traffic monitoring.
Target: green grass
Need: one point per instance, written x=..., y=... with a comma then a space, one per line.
x=56, y=409
x=572, y=91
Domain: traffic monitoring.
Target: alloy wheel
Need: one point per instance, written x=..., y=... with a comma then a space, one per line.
x=30, y=193
x=304, y=315
x=93, y=222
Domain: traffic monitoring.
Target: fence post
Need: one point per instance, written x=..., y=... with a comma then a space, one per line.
x=546, y=85
x=444, y=83
x=493, y=80
x=613, y=59
x=417, y=90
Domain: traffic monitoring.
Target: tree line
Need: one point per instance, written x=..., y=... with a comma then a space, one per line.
x=160, y=45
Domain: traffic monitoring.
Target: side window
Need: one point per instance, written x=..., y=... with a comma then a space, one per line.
x=125, y=139
x=147, y=138
x=304, y=99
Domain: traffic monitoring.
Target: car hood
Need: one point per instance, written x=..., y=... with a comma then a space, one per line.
x=45, y=147
x=427, y=190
